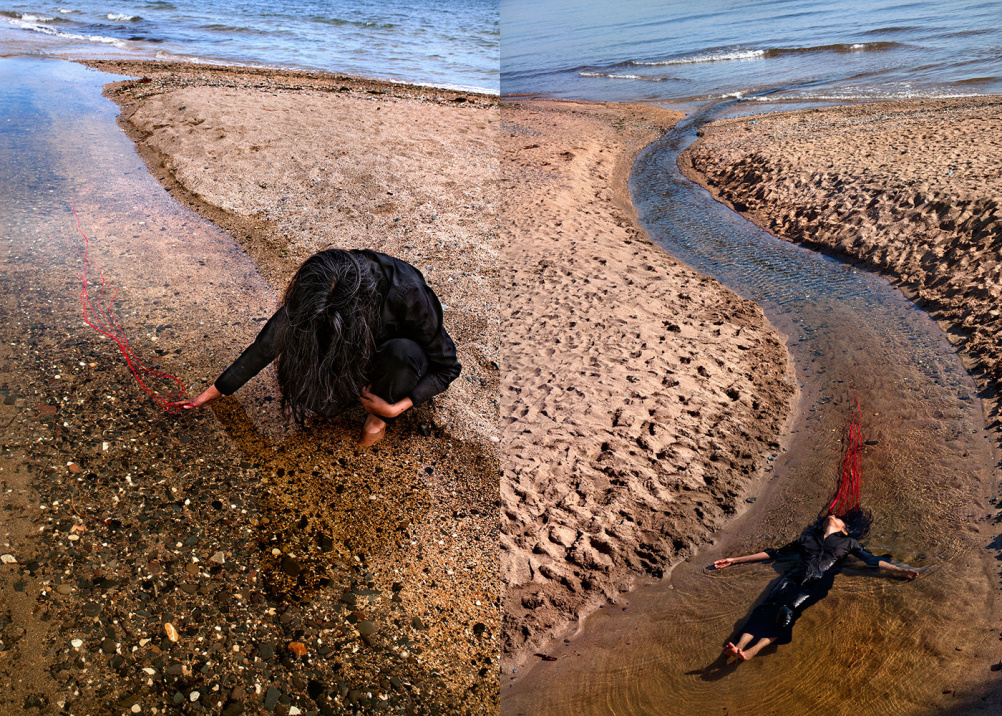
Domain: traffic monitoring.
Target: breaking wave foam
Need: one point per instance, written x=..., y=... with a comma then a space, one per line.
x=36, y=26
x=733, y=55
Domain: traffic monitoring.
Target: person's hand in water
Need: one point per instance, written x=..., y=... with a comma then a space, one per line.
x=374, y=405
x=910, y=574
x=210, y=394
x=723, y=563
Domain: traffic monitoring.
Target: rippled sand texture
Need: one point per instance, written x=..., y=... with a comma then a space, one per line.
x=639, y=398
x=298, y=570
x=910, y=189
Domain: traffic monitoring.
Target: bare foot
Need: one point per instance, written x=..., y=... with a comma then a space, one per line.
x=372, y=432
x=741, y=655
x=732, y=650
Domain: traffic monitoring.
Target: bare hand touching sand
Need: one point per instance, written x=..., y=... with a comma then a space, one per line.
x=210, y=394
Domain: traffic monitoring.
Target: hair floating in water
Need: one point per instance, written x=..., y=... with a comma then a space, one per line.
x=846, y=499
x=99, y=314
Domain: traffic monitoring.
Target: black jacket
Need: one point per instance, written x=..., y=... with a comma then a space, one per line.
x=410, y=310
x=817, y=554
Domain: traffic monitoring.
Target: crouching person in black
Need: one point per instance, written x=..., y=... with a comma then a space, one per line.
x=354, y=326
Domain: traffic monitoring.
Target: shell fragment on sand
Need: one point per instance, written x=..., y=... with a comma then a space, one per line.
x=170, y=631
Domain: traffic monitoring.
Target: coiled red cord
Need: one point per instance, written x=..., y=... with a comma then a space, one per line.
x=102, y=319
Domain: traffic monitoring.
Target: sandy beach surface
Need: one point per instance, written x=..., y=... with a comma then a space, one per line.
x=293, y=163
x=300, y=573
x=639, y=399
x=907, y=189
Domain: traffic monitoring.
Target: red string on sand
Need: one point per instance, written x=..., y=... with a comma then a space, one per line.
x=100, y=316
x=847, y=495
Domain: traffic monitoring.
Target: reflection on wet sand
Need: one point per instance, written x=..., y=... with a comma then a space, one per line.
x=323, y=500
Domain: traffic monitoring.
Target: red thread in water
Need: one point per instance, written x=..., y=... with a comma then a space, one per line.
x=847, y=494
x=102, y=319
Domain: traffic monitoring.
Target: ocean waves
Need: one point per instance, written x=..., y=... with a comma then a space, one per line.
x=44, y=26
x=685, y=52
x=421, y=41
x=732, y=55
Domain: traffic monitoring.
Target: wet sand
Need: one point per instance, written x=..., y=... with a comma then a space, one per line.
x=640, y=400
x=302, y=574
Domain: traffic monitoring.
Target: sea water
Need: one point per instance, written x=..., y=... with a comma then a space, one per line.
x=794, y=50
x=453, y=43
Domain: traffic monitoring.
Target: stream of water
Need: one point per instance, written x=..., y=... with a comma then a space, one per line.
x=876, y=644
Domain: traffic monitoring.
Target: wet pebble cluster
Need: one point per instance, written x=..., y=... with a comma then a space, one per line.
x=180, y=566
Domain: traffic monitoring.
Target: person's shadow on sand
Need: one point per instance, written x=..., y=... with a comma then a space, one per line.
x=323, y=501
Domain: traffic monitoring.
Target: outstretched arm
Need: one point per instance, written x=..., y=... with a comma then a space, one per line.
x=252, y=361
x=874, y=561
x=207, y=396
x=906, y=571
x=728, y=561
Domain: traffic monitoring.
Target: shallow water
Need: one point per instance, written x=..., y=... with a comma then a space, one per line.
x=80, y=438
x=448, y=44
x=875, y=644
x=797, y=49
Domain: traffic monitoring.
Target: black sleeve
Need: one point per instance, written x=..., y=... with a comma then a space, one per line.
x=253, y=360
x=870, y=559
x=425, y=325
x=786, y=550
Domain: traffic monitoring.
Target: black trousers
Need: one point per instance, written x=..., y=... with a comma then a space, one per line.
x=787, y=600
x=398, y=366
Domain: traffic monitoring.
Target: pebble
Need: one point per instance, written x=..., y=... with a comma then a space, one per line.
x=271, y=698
x=136, y=708
x=8, y=559
x=191, y=568
x=314, y=689
x=64, y=589
x=291, y=567
x=91, y=609
x=193, y=696
x=417, y=623
x=108, y=646
x=76, y=643
x=170, y=631
x=298, y=648
x=752, y=500
x=366, y=628
x=218, y=558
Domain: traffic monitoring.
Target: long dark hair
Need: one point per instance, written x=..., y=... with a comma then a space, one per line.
x=332, y=305
x=858, y=521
